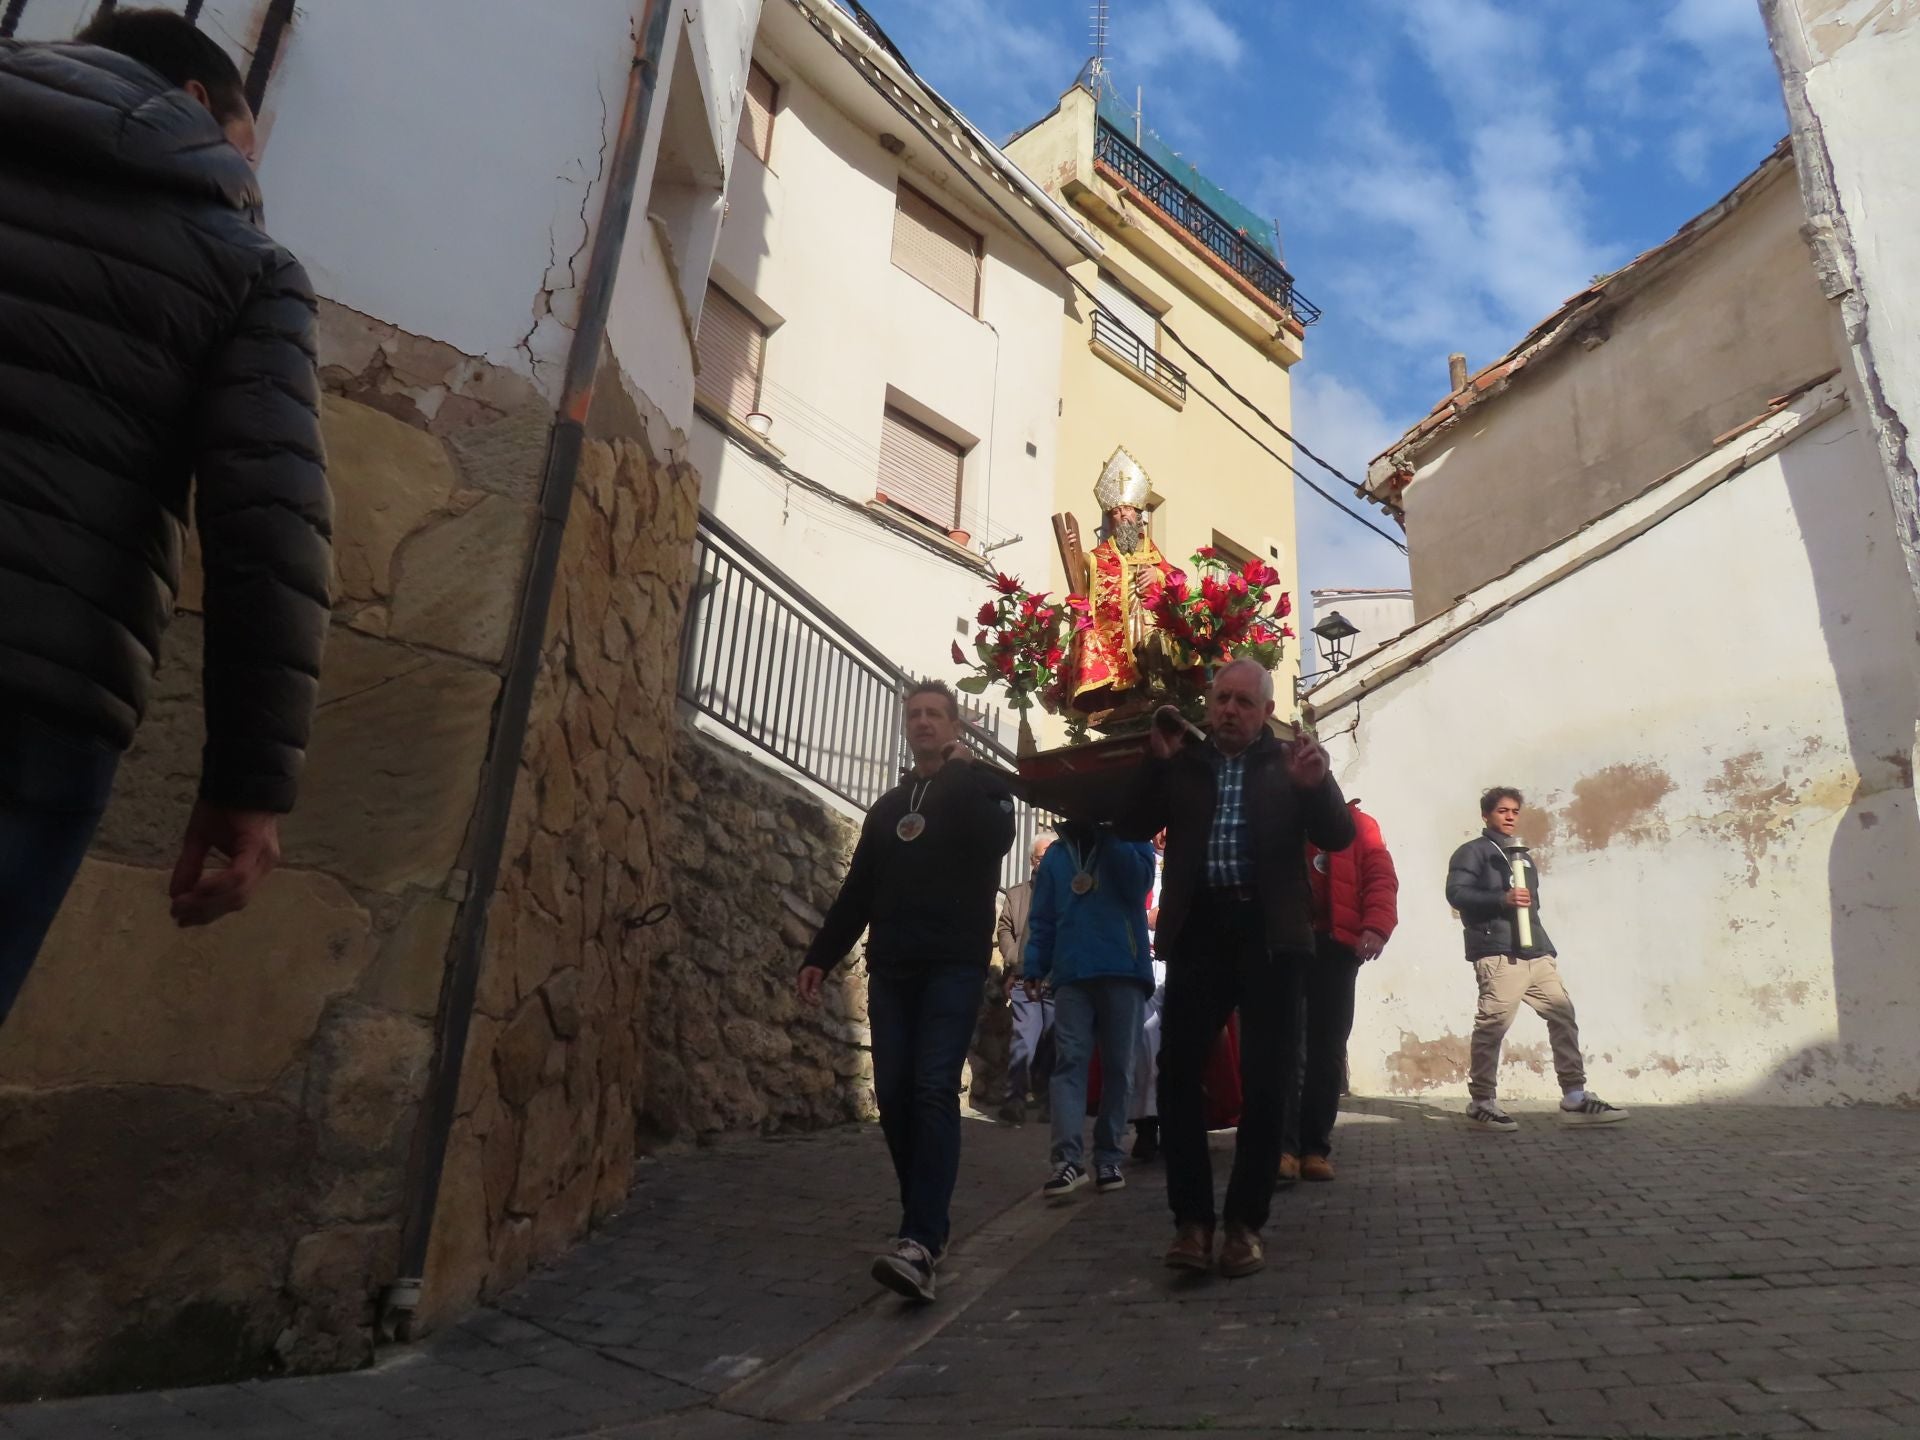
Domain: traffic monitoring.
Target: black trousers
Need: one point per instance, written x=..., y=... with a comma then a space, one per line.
x=1327, y=991
x=1223, y=964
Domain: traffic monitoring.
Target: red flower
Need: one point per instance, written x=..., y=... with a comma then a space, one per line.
x=1006, y=584
x=1287, y=631
x=980, y=638
x=1079, y=604
x=1285, y=607
x=1206, y=552
x=959, y=656
x=1259, y=573
x=1177, y=584
x=1151, y=596
x=1055, y=656
x=988, y=614
x=1004, y=663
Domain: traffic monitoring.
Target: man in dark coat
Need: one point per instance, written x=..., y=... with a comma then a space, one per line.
x=1236, y=928
x=153, y=341
x=922, y=884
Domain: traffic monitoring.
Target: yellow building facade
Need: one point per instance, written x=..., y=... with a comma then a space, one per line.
x=1171, y=264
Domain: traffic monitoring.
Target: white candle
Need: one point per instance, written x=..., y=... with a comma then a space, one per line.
x=1523, y=915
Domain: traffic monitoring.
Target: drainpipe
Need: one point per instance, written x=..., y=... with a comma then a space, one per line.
x=530, y=627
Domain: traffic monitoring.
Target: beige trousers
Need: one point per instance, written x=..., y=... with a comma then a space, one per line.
x=1506, y=980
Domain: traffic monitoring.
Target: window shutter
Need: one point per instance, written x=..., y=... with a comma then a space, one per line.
x=935, y=248
x=920, y=469
x=733, y=347
x=1144, y=324
x=756, y=118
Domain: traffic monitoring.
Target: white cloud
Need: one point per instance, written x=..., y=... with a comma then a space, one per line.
x=1145, y=38
x=1342, y=423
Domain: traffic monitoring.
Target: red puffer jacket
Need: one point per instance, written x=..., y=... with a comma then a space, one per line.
x=1355, y=889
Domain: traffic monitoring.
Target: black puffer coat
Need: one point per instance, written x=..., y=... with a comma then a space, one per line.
x=152, y=336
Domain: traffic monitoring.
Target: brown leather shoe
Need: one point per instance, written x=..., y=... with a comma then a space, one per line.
x=1242, y=1254
x=1289, y=1169
x=1192, y=1248
x=1316, y=1167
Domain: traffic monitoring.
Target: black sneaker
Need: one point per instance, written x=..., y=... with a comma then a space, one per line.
x=907, y=1270
x=1108, y=1177
x=1064, y=1181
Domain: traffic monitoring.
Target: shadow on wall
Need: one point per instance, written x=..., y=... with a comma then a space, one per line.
x=1872, y=631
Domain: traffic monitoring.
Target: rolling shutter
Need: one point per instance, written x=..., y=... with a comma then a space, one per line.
x=920, y=469
x=733, y=346
x=935, y=248
x=756, y=118
x=1128, y=311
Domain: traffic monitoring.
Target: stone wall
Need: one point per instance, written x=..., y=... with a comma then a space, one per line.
x=756, y=860
x=544, y=1139
x=204, y=1134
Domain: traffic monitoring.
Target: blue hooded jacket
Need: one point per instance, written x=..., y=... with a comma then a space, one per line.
x=1100, y=934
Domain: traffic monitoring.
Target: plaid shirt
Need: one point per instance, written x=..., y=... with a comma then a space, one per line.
x=1229, y=861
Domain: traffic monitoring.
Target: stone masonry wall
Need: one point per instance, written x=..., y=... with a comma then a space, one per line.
x=755, y=860
x=204, y=1134
x=544, y=1140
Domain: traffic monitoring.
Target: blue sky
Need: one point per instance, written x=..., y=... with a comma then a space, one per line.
x=1445, y=172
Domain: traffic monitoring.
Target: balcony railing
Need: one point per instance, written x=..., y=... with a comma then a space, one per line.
x=1110, y=334
x=764, y=659
x=1193, y=215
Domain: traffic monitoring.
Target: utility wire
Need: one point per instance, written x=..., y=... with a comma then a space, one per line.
x=872, y=27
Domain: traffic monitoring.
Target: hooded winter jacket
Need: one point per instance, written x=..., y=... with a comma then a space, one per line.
x=153, y=341
x=1355, y=889
x=1102, y=933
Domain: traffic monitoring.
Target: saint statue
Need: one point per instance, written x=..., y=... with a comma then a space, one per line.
x=1107, y=658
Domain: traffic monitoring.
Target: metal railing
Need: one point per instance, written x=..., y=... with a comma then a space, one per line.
x=1110, y=334
x=764, y=659
x=1199, y=220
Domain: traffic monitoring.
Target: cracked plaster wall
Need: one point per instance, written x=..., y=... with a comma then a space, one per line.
x=1712, y=729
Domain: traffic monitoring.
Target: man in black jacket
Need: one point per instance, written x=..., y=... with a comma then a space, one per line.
x=1236, y=929
x=153, y=340
x=922, y=885
x=1485, y=885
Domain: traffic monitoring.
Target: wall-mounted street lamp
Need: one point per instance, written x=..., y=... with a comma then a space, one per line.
x=1336, y=634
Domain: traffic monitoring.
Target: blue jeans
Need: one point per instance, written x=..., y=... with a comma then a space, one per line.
x=1109, y=1009
x=53, y=788
x=922, y=1023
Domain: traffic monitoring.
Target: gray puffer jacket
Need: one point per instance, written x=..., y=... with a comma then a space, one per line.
x=1478, y=878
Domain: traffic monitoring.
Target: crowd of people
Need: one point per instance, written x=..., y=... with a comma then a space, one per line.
x=1187, y=966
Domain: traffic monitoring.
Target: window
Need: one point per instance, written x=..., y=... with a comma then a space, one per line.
x=936, y=249
x=1232, y=551
x=756, y=117
x=733, y=349
x=1126, y=327
x=920, y=469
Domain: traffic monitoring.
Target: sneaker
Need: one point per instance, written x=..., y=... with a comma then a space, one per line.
x=906, y=1270
x=1064, y=1181
x=1289, y=1169
x=1487, y=1116
x=1316, y=1167
x=1013, y=1112
x=1108, y=1177
x=1590, y=1109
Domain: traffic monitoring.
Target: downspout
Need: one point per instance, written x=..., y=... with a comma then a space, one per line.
x=557, y=480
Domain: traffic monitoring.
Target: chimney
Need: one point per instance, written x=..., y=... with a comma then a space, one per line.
x=1457, y=372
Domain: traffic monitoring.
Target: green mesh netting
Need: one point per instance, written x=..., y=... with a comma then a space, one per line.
x=1120, y=117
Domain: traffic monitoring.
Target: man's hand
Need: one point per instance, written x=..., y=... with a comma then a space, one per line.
x=1520, y=898
x=1032, y=987
x=250, y=841
x=1307, y=763
x=1012, y=983
x=1168, y=733
x=807, y=987
x=957, y=754
x=1371, y=943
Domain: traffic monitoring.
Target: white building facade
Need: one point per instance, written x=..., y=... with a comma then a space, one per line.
x=880, y=353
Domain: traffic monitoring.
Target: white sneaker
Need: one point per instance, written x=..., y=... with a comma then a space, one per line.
x=1487, y=1117
x=1590, y=1109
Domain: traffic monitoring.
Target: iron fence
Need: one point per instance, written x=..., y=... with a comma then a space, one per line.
x=1199, y=220
x=764, y=659
x=1110, y=334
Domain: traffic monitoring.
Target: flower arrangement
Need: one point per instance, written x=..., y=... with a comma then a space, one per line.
x=1233, y=614
x=1019, y=644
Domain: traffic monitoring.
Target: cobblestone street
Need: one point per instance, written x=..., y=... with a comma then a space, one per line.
x=1695, y=1272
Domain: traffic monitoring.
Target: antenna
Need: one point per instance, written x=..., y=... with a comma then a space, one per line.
x=1097, y=67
